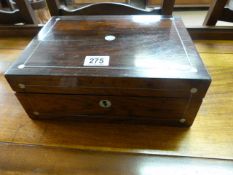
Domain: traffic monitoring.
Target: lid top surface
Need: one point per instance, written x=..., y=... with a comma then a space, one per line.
x=137, y=46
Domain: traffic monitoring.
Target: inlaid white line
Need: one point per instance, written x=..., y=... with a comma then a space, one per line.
x=182, y=43
x=34, y=50
x=99, y=67
x=187, y=106
x=45, y=35
x=101, y=87
x=40, y=41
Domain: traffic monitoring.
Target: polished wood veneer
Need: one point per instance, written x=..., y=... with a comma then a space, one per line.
x=153, y=62
x=212, y=129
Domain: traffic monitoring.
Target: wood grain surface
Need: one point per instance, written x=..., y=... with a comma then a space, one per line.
x=134, y=81
x=43, y=160
x=211, y=135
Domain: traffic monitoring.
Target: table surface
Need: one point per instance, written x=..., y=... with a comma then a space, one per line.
x=211, y=135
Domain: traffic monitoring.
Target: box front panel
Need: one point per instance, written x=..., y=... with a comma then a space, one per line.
x=169, y=110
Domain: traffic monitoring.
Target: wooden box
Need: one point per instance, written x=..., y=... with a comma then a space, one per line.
x=134, y=68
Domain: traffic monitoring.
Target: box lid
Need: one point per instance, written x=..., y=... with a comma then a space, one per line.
x=111, y=54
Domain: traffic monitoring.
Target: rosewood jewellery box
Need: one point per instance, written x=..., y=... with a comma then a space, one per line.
x=132, y=68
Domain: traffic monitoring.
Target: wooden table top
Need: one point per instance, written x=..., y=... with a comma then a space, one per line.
x=211, y=135
x=30, y=159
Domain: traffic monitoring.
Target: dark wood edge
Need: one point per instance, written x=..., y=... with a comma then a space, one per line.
x=197, y=33
x=190, y=8
x=211, y=33
x=19, y=30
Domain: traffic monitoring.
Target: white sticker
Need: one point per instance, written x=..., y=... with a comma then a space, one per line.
x=96, y=61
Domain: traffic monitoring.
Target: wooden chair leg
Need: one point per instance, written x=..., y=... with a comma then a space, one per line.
x=26, y=11
x=167, y=7
x=215, y=12
x=53, y=6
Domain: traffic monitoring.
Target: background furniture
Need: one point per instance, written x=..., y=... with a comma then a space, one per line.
x=77, y=3
x=57, y=8
x=24, y=14
x=7, y=4
x=218, y=11
x=151, y=3
x=36, y=4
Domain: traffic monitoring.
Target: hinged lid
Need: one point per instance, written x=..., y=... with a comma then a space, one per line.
x=133, y=55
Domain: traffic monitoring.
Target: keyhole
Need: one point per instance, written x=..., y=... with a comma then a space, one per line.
x=105, y=103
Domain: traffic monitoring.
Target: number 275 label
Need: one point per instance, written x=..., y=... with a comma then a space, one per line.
x=96, y=61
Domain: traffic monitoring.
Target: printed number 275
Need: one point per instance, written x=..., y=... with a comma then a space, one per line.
x=96, y=60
